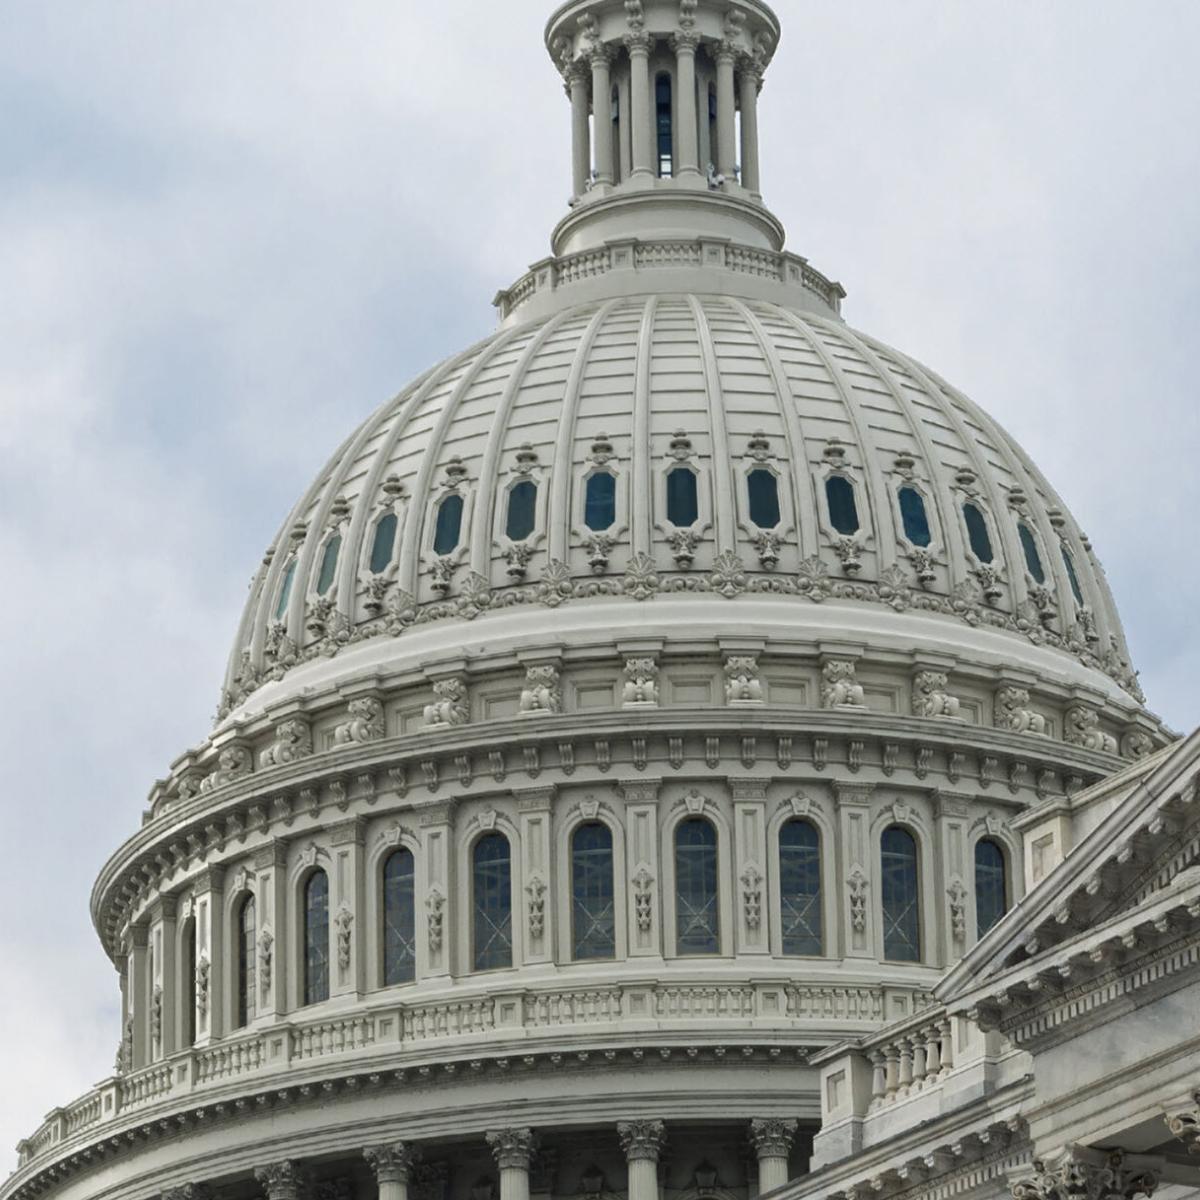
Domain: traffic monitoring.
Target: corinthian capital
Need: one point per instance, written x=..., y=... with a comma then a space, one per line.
x=1185, y=1125
x=685, y=40
x=512, y=1147
x=638, y=42
x=281, y=1180
x=1085, y=1174
x=772, y=1136
x=187, y=1191
x=391, y=1161
x=641, y=1139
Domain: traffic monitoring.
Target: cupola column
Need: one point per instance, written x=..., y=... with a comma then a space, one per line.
x=772, y=1141
x=750, y=78
x=641, y=114
x=726, y=161
x=581, y=153
x=281, y=1180
x=687, y=153
x=601, y=59
x=392, y=1163
x=513, y=1150
x=642, y=1142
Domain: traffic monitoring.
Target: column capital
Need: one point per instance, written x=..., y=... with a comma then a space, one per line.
x=281, y=1180
x=772, y=1136
x=685, y=41
x=187, y=1191
x=1082, y=1173
x=638, y=42
x=600, y=55
x=512, y=1147
x=1185, y=1125
x=727, y=50
x=642, y=1140
x=392, y=1161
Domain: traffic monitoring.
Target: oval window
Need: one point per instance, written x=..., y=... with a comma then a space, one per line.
x=449, y=524
x=600, y=501
x=1033, y=560
x=1069, y=563
x=916, y=519
x=682, y=504
x=285, y=590
x=384, y=544
x=329, y=564
x=522, y=508
x=763, y=490
x=843, y=508
x=977, y=532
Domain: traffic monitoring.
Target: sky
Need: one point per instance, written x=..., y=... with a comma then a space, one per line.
x=229, y=231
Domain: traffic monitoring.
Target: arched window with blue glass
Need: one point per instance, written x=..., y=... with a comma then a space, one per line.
x=593, y=900
x=447, y=527
x=900, y=895
x=663, y=123
x=600, y=500
x=697, y=917
x=683, y=499
x=491, y=893
x=762, y=492
x=285, y=590
x=521, y=517
x=399, y=918
x=329, y=561
x=1072, y=577
x=843, y=506
x=383, y=544
x=914, y=516
x=978, y=535
x=246, y=934
x=315, y=976
x=991, y=885
x=1033, y=557
x=800, y=888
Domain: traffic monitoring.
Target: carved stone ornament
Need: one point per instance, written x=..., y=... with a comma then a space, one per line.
x=234, y=762
x=344, y=923
x=281, y=1180
x=266, y=947
x=542, y=692
x=512, y=1147
x=293, y=741
x=1185, y=1125
x=856, y=882
x=1012, y=711
x=752, y=895
x=683, y=543
x=643, y=898
x=772, y=1137
x=450, y=705
x=392, y=1161
x=1136, y=744
x=366, y=723
x=1086, y=1174
x=839, y=685
x=958, y=907
x=202, y=977
x=599, y=546
x=536, y=890
x=156, y=1014
x=742, y=682
x=1081, y=727
x=641, y=682
x=849, y=553
x=642, y=1140
x=435, y=903
x=931, y=697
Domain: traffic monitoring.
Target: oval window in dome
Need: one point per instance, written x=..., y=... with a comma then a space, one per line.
x=384, y=545
x=285, y=590
x=682, y=503
x=522, y=508
x=843, y=507
x=1076, y=590
x=1033, y=560
x=763, y=490
x=449, y=524
x=600, y=500
x=914, y=516
x=329, y=564
x=977, y=532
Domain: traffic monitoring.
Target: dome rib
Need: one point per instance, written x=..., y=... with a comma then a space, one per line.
x=724, y=501
x=640, y=451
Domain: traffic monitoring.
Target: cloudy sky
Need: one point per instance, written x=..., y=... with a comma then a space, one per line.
x=229, y=231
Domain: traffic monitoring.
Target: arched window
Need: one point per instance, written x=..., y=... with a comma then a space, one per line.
x=399, y=919
x=800, y=887
x=991, y=886
x=187, y=950
x=900, y=894
x=916, y=519
x=682, y=504
x=449, y=524
x=316, y=938
x=1069, y=563
x=384, y=545
x=977, y=532
x=1033, y=560
x=247, y=934
x=662, y=117
x=696, y=916
x=600, y=500
x=492, y=889
x=593, y=922
x=843, y=508
x=328, y=564
x=522, y=509
x=762, y=489
x=285, y=590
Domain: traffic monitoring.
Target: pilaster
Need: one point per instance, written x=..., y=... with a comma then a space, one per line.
x=164, y=1031
x=434, y=949
x=953, y=905
x=138, y=991
x=346, y=905
x=856, y=870
x=210, y=954
x=750, y=864
x=643, y=867
x=270, y=865
x=534, y=807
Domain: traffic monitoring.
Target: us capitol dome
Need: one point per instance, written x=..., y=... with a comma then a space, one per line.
x=646, y=700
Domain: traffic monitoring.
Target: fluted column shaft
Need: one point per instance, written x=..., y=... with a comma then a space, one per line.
x=726, y=160
x=772, y=1140
x=601, y=58
x=641, y=115
x=581, y=152
x=687, y=153
x=392, y=1163
x=513, y=1149
x=642, y=1141
x=750, y=78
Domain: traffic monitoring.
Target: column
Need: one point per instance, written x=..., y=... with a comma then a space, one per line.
x=392, y=1163
x=687, y=152
x=281, y=1180
x=726, y=161
x=581, y=153
x=601, y=59
x=138, y=991
x=641, y=114
x=513, y=1149
x=750, y=79
x=772, y=1140
x=346, y=905
x=642, y=1142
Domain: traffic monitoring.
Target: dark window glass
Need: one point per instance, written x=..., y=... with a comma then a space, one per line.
x=682, y=505
x=696, y=921
x=399, y=919
x=991, y=887
x=449, y=524
x=285, y=590
x=188, y=950
x=977, y=532
x=316, y=938
x=800, y=887
x=662, y=113
x=712, y=123
x=593, y=923
x=493, y=902
x=328, y=564
x=1069, y=563
x=616, y=134
x=600, y=501
x=1033, y=560
x=843, y=509
x=763, y=490
x=246, y=944
x=900, y=896
x=916, y=519
x=384, y=545
x=522, y=508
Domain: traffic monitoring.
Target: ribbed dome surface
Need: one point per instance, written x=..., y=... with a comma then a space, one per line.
x=637, y=387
